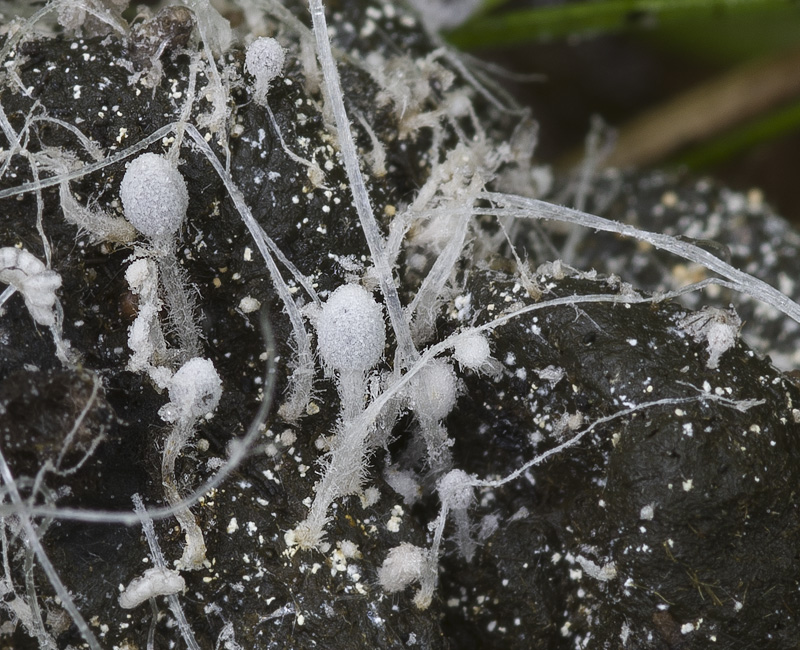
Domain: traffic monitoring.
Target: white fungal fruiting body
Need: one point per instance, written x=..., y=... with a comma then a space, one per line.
x=145, y=337
x=157, y=581
x=264, y=60
x=434, y=391
x=194, y=391
x=154, y=196
x=472, y=350
x=403, y=566
x=351, y=330
x=37, y=284
x=456, y=489
x=717, y=328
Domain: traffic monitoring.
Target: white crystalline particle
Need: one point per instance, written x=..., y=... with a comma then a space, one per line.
x=154, y=196
x=264, y=60
x=350, y=330
x=194, y=391
x=37, y=284
x=158, y=581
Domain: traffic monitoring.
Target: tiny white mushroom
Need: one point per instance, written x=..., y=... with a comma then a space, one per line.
x=456, y=489
x=434, y=391
x=154, y=196
x=264, y=60
x=351, y=330
x=403, y=566
x=456, y=492
x=717, y=328
x=471, y=350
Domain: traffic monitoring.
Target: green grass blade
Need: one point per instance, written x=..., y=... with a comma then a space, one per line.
x=586, y=18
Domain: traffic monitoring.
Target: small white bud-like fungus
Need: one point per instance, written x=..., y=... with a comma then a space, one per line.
x=403, y=566
x=154, y=196
x=456, y=489
x=157, y=581
x=717, y=328
x=264, y=60
x=434, y=390
x=37, y=284
x=472, y=350
x=351, y=330
x=456, y=492
x=194, y=391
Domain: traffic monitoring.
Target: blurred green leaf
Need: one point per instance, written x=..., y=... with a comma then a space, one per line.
x=731, y=39
x=603, y=16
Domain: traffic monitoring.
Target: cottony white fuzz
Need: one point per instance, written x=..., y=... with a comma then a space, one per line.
x=472, y=350
x=194, y=391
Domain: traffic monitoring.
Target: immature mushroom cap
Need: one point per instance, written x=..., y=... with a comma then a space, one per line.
x=264, y=60
x=154, y=196
x=351, y=330
x=471, y=350
x=403, y=566
x=434, y=390
x=456, y=489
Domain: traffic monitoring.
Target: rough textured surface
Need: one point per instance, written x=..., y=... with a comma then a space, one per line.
x=719, y=483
